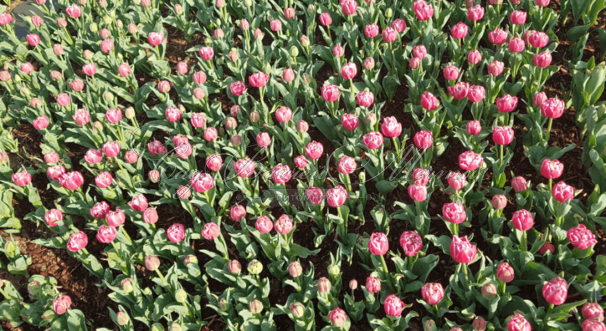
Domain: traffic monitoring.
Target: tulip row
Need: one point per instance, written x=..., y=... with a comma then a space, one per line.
x=86, y=83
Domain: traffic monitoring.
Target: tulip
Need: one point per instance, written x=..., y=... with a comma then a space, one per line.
x=378, y=245
x=459, y=30
x=476, y=93
x=454, y=212
x=391, y=128
x=314, y=195
x=555, y=291
x=99, y=210
x=111, y=148
x=507, y=103
x=275, y=25
x=505, y=272
x=244, y=167
x=337, y=316
x=432, y=293
x=107, y=46
x=281, y=173
x=496, y=68
x=106, y=234
x=325, y=19
x=414, y=63
x=459, y=91
x=546, y=247
x=52, y=217
x=580, y=237
x=563, y=192
x=76, y=85
x=22, y=178
x=389, y=35
x=288, y=75
x=237, y=213
x=338, y=51
x=138, y=203
x=419, y=51
x=77, y=241
x=283, y=225
x=27, y=68
x=462, y=250
x=330, y=92
x=499, y=202
x=73, y=11
x=479, y=324
x=593, y=325
x=115, y=218
x=393, y=305
x=422, y=10
x=542, y=60
x=113, y=115
x=350, y=121
x=456, y=180
x=258, y=79
x=470, y=161
x=502, y=135
x=89, y=69
x=451, y=73
x=423, y=139
x=428, y=100
x=365, y=99
x=62, y=303
x=373, y=285
x=538, y=39
x=155, y=39
x=314, y=150
x=417, y=192
x=498, y=36
x=156, y=148
x=523, y=221
x=593, y=311
x=202, y=182
x=371, y=30
x=473, y=128
x=411, y=243
x=283, y=114
x=552, y=108
x=542, y=3
x=518, y=17
x=421, y=176
x=518, y=323
x=474, y=57
x=71, y=180
x=336, y=196
x=347, y=165
x=56, y=172
x=489, y=291
x=301, y=162
x=551, y=169
x=349, y=7
x=41, y=122
x=211, y=231
x=475, y=13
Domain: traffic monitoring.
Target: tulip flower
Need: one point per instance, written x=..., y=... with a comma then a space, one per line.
x=62, y=303
x=580, y=237
x=106, y=234
x=518, y=323
x=393, y=306
x=411, y=243
x=373, y=285
x=52, y=217
x=283, y=225
x=454, y=213
x=555, y=291
x=428, y=100
x=71, y=180
x=432, y=293
x=593, y=311
x=337, y=316
x=593, y=325
x=350, y=121
x=459, y=91
x=211, y=231
x=281, y=173
x=22, y=178
x=470, y=161
x=175, y=233
x=421, y=176
x=264, y=224
x=463, y=252
x=456, y=180
x=77, y=242
x=365, y=99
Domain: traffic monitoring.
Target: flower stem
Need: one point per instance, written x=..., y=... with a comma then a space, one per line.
x=548, y=132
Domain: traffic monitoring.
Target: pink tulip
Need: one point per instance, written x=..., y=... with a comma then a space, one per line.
x=176, y=233
x=505, y=272
x=389, y=34
x=393, y=305
x=347, y=165
x=432, y=293
x=199, y=77
x=542, y=60
x=475, y=13
x=522, y=220
x=275, y=25
x=378, y=244
x=454, y=212
x=41, y=122
x=258, y=79
x=155, y=39
x=264, y=224
x=502, y=135
x=538, y=39
x=338, y=51
x=338, y=316
x=214, y=162
x=55, y=173
x=283, y=225
x=51, y=157
x=365, y=99
x=421, y=176
x=27, y=68
x=323, y=285
x=542, y=3
x=301, y=162
x=507, y=103
x=419, y=51
x=349, y=71
x=459, y=91
x=470, y=161
x=519, y=184
x=107, y=46
x=546, y=247
x=553, y=108
x=99, y=210
x=391, y=128
x=479, y=324
x=398, y=24
x=115, y=218
x=350, y=121
x=336, y=196
x=150, y=215
x=325, y=19
x=6, y=19
x=498, y=36
x=516, y=45
x=349, y=7
x=106, y=234
x=183, y=192
x=237, y=213
x=423, y=139
x=288, y=75
x=52, y=217
x=283, y=114
x=314, y=195
x=473, y=128
x=73, y=11
x=198, y=120
x=373, y=284
x=417, y=192
x=462, y=250
x=476, y=93
x=450, y=73
x=429, y=101
x=76, y=85
x=330, y=92
x=244, y=167
x=518, y=323
x=156, y=148
x=234, y=267
x=89, y=69
x=459, y=30
x=138, y=203
x=33, y=39
x=314, y=150
x=555, y=291
x=562, y=192
x=71, y=180
x=496, y=68
x=202, y=182
x=552, y=169
x=373, y=140
x=211, y=231
x=22, y=178
x=61, y=304
x=111, y=148
x=281, y=173
x=414, y=63
x=423, y=10
x=77, y=241
x=237, y=88
x=518, y=17
x=593, y=325
x=593, y=311
x=411, y=243
x=456, y=180
x=580, y=237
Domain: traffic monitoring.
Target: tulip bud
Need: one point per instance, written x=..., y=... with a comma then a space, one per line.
x=294, y=51
x=324, y=285
x=304, y=41
x=157, y=327
x=180, y=296
x=255, y=116
x=236, y=140
x=429, y=325
x=389, y=13
x=297, y=309
x=49, y=315
x=255, y=267
x=334, y=270
x=127, y=285
x=295, y=269
x=302, y=126
x=369, y=63
x=234, y=267
x=489, y=291
x=174, y=327
x=255, y=306
x=353, y=284
x=152, y=262
x=223, y=304
x=122, y=318
x=190, y=259
x=33, y=288
x=479, y=324
x=499, y=202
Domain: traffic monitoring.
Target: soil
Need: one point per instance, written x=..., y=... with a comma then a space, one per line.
x=77, y=282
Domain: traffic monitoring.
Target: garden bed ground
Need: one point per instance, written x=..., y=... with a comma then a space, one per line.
x=76, y=281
